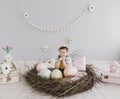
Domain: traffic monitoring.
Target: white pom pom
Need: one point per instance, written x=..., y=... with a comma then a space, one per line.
x=91, y=8
x=26, y=15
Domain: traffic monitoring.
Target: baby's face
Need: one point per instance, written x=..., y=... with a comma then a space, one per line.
x=62, y=52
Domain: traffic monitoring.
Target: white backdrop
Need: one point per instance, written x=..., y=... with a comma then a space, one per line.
x=98, y=34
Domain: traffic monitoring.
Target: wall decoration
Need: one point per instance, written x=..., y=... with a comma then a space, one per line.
x=45, y=48
x=65, y=27
x=26, y=15
x=70, y=39
x=91, y=8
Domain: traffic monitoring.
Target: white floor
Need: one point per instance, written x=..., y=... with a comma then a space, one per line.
x=20, y=90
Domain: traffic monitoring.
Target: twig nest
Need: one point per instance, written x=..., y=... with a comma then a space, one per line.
x=70, y=71
x=41, y=66
x=62, y=87
x=56, y=74
x=75, y=78
x=82, y=73
x=45, y=73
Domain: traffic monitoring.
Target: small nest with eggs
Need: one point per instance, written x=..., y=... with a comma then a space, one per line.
x=62, y=87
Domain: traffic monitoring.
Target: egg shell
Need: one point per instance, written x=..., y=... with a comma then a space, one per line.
x=45, y=73
x=41, y=66
x=70, y=71
x=56, y=74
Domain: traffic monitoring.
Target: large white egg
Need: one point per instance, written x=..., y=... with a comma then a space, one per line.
x=56, y=74
x=45, y=73
x=70, y=71
x=41, y=66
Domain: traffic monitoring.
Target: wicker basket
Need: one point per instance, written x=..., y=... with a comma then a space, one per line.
x=13, y=76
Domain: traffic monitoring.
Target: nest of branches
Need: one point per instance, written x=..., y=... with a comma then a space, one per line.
x=61, y=87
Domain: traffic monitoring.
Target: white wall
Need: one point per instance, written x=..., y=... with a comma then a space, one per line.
x=98, y=33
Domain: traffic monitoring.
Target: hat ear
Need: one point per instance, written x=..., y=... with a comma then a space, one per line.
x=62, y=45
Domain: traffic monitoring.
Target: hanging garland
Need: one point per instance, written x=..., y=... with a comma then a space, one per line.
x=90, y=8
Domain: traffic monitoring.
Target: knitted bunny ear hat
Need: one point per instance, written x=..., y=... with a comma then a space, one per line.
x=63, y=47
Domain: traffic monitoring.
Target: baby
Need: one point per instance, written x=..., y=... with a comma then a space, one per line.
x=63, y=60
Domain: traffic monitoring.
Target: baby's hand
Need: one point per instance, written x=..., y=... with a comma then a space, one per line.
x=63, y=58
x=60, y=58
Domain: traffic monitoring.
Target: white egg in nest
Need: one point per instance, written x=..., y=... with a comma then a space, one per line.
x=45, y=73
x=40, y=67
x=56, y=74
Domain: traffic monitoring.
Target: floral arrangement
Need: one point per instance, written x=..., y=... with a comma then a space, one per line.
x=7, y=48
x=8, y=57
x=9, y=72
